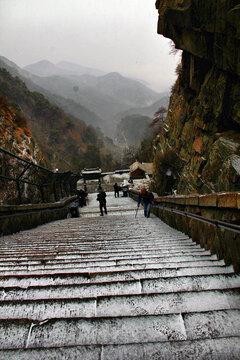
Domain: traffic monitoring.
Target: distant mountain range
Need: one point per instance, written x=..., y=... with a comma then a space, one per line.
x=65, y=141
x=68, y=105
x=47, y=68
x=97, y=98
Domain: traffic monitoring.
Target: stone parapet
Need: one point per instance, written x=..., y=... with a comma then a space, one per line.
x=230, y=200
x=219, y=206
x=14, y=218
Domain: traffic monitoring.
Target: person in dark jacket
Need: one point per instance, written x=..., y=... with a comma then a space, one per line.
x=148, y=199
x=102, y=201
x=82, y=197
x=116, y=190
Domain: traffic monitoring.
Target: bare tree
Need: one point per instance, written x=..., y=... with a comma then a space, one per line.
x=159, y=116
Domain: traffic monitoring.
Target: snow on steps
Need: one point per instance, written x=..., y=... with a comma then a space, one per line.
x=207, y=349
x=113, y=288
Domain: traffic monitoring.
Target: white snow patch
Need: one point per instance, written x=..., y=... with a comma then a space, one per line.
x=235, y=160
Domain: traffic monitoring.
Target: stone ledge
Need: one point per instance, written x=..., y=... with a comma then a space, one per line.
x=208, y=200
x=32, y=207
x=216, y=200
x=22, y=217
x=227, y=200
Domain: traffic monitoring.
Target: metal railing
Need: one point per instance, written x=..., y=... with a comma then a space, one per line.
x=23, y=181
x=217, y=223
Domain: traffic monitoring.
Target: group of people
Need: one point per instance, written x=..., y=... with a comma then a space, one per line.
x=145, y=196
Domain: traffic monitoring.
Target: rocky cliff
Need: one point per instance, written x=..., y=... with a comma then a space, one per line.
x=17, y=138
x=15, y=135
x=203, y=121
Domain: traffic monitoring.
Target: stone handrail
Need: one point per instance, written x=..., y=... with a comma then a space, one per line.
x=14, y=218
x=219, y=206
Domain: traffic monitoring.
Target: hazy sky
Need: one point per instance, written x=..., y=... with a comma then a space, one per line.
x=110, y=35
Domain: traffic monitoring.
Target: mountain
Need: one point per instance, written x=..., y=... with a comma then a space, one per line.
x=104, y=95
x=43, y=68
x=145, y=111
x=69, y=106
x=67, y=142
x=95, y=99
x=78, y=69
x=47, y=68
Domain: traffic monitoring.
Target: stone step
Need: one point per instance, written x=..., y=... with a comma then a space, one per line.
x=27, y=280
x=114, y=287
x=84, y=246
x=88, y=233
x=108, y=261
x=207, y=349
x=129, y=265
x=92, y=243
x=121, y=246
x=120, y=305
x=143, y=286
x=58, y=252
x=99, y=255
x=23, y=333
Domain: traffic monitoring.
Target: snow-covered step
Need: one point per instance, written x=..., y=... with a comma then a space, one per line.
x=114, y=287
x=105, y=253
x=124, y=243
x=106, y=267
x=24, y=333
x=148, y=304
x=24, y=281
x=120, y=305
x=102, y=256
x=57, y=250
x=207, y=349
x=142, y=286
x=86, y=262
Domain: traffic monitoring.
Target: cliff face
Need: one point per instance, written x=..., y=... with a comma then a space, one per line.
x=203, y=121
x=15, y=135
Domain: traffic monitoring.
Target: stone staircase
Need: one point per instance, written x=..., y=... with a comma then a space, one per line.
x=115, y=287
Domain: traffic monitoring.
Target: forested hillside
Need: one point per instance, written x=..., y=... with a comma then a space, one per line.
x=67, y=142
x=69, y=106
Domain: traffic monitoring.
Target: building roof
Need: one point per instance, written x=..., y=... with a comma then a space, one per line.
x=91, y=171
x=146, y=167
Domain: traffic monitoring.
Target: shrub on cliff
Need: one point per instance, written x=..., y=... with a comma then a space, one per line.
x=167, y=166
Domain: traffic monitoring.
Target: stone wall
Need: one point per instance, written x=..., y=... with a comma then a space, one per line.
x=203, y=121
x=223, y=206
x=14, y=218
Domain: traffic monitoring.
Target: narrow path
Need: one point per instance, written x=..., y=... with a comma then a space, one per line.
x=115, y=287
